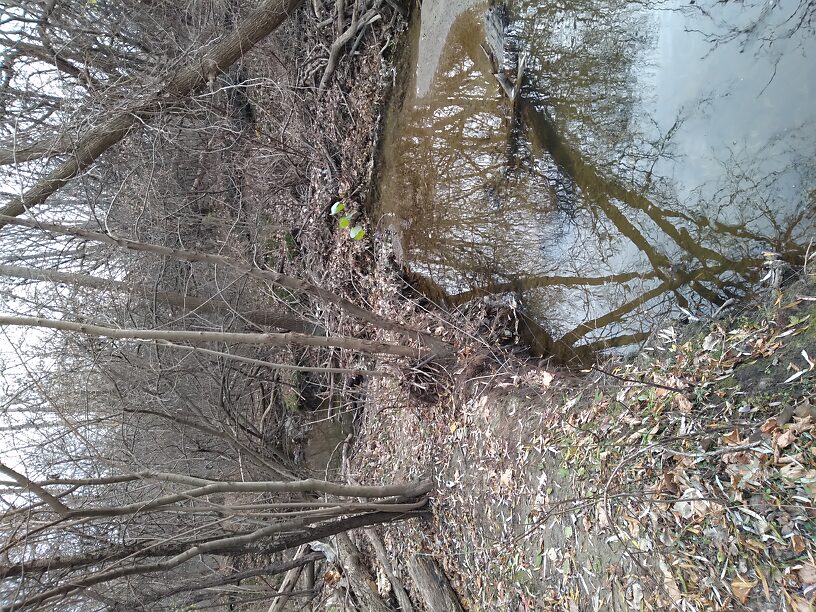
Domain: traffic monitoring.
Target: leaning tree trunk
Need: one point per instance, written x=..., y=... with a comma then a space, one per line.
x=288, y=282
x=109, y=131
x=197, y=337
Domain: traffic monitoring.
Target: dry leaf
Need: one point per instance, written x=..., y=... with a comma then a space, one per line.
x=797, y=543
x=602, y=517
x=683, y=404
x=545, y=378
x=332, y=577
x=710, y=341
x=807, y=574
x=784, y=439
x=684, y=509
x=691, y=503
x=792, y=472
x=802, y=424
x=671, y=584
x=506, y=477
x=744, y=474
x=793, y=377
x=667, y=484
x=733, y=438
x=741, y=588
x=762, y=578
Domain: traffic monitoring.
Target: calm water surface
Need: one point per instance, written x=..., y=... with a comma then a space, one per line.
x=657, y=151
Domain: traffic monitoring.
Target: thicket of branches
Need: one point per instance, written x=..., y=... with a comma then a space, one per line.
x=153, y=162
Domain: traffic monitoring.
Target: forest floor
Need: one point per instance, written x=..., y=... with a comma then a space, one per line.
x=684, y=477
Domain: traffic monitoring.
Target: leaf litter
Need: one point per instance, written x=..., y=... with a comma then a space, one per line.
x=688, y=485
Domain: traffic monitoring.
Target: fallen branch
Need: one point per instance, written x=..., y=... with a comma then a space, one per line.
x=369, y=17
x=359, y=580
x=289, y=582
x=382, y=557
x=433, y=585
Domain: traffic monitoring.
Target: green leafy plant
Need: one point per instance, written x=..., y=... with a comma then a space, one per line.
x=356, y=232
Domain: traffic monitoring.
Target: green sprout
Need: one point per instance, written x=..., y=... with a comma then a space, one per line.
x=356, y=232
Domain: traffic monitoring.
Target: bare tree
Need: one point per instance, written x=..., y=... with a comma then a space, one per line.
x=148, y=423
x=74, y=514
x=113, y=126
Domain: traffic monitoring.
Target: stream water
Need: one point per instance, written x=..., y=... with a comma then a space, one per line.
x=659, y=157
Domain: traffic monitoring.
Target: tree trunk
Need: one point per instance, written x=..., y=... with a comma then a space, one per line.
x=283, y=280
x=217, y=581
x=197, y=337
x=382, y=556
x=232, y=545
x=289, y=582
x=432, y=585
x=359, y=580
x=106, y=133
x=188, y=303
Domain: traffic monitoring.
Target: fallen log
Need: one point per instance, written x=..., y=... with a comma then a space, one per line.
x=359, y=580
x=382, y=557
x=432, y=585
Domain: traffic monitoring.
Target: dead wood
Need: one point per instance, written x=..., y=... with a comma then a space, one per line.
x=337, y=48
x=108, y=131
x=359, y=580
x=432, y=585
x=382, y=557
x=403, y=7
x=289, y=582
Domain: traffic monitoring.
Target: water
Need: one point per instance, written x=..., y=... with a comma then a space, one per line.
x=657, y=154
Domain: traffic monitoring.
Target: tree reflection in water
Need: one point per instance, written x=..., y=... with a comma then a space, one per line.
x=602, y=202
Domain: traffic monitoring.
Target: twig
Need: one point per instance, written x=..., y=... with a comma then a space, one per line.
x=639, y=382
x=369, y=17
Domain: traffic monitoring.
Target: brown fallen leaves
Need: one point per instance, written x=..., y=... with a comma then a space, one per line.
x=714, y=484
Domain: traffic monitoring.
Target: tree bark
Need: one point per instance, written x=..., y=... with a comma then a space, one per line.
x=203, y=487
x=358, y=577
x=216, y=581
x=24, y=483
x=289, y=582
x=382, y=556
x=242, y=543
x=18, y=152
x=433, y=585
x=279, y=366
x=188, y=303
